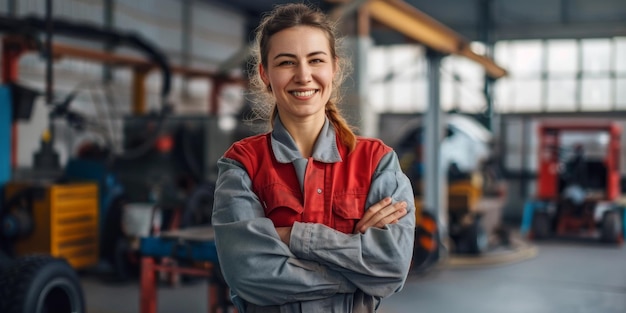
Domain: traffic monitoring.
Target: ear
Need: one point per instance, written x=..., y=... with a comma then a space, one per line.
x=263, y=74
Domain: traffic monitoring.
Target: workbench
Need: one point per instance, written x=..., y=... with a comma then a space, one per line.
x=193, y=252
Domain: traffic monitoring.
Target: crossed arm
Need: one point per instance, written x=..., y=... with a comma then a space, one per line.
x=272, y=266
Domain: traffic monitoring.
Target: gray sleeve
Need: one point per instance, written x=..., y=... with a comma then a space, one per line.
x=377, y=261
x=256, y=264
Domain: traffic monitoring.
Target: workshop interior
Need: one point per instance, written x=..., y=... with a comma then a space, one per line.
x=507, y=118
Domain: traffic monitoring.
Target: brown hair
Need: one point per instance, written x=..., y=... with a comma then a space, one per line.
x=287, y=16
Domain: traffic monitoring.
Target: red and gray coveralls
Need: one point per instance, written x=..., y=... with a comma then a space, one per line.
x=264, y=182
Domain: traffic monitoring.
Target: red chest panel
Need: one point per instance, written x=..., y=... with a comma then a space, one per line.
x=334, y=194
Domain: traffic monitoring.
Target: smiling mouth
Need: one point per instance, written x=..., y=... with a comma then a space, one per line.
x=307, y=93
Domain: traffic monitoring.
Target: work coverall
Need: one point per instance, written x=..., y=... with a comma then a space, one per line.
x=264, y=182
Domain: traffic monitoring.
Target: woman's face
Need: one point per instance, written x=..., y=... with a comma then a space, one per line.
x=300, y=70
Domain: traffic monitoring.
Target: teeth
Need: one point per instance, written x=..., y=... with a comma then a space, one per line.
x=303, y=93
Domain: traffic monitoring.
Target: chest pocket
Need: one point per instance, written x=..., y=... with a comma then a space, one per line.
x=348, y=209
x=281, y=204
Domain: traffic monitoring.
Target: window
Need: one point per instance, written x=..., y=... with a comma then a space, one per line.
x=556, y=75
x=562, y=58
x=596, y=94
x=596, y=55
x=562, y=75
x=561, y=95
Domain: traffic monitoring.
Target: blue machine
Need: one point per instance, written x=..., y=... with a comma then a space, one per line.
x=530, y=207
x=538, y=216
x=109, y=188
x=5, y=129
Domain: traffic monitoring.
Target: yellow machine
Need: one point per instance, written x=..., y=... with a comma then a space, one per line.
x=58, y=219
x=464, y=195
x=471, y=213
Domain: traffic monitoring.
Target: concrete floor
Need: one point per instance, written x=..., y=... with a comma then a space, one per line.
x=564, y=276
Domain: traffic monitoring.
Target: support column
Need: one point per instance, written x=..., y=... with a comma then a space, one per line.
x=435, y=179
x=485, y=32
x=109, y=23
x=355, y=107
x=214, y=95
x=185, y=44
x=12, y=7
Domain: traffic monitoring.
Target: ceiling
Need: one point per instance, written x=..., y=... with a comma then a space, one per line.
x=504, y=19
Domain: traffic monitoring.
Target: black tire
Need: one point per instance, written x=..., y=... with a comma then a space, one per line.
x=540, y=226
x=611, y=231
x=473, y=239
x=41, y=284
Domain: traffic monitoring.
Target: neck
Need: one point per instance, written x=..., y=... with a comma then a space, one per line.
x=304, y=133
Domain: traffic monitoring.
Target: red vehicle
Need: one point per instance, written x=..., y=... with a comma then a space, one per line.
x=578, y=182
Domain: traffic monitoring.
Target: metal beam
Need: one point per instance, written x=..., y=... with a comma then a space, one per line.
x=418, y=26
x=572, y=30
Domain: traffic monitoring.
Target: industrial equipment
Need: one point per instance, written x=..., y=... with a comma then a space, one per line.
x=44, y=212
x=71, y=215
x=173, y=178
x=578, y=183
x=473, y=194
x=56, y=219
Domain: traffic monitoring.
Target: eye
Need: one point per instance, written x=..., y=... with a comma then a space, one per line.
x=315, y=61
x=286, y=63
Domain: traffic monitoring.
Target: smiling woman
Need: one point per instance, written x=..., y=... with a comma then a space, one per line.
x=309, y=217
x=299, y=71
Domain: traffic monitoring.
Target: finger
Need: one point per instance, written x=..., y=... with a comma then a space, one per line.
x=384, y=216
x=376, y=207
x=375, y=216
x=400, y=210
x=372, y=210
x=394, y=217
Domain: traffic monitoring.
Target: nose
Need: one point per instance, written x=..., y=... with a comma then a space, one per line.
x=303, y=73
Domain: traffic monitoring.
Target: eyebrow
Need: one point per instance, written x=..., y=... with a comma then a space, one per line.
x=289, y=55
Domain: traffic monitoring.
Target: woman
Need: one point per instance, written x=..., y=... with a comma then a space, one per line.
x=309, y=217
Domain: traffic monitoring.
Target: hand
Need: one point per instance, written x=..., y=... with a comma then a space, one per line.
x=284, y=233
x=380, y=214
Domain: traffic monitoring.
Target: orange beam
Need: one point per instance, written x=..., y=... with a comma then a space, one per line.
x=140, y=66
x=61, y=50
x=413, y=23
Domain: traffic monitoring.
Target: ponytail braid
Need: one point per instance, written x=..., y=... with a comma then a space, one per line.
x=342, y=128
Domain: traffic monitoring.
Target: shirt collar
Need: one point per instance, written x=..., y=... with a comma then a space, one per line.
x=286, y=151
